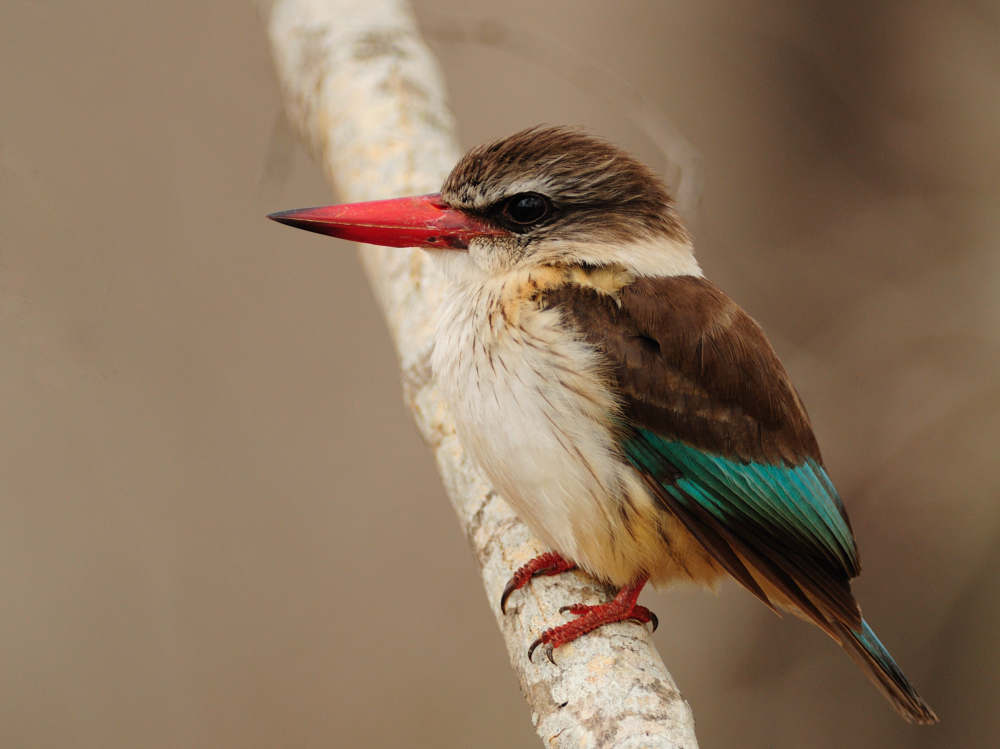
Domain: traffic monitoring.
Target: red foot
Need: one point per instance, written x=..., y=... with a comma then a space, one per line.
x=549, y=563
x=623, y=607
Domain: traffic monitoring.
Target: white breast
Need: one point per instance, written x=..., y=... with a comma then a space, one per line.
x=532, y=410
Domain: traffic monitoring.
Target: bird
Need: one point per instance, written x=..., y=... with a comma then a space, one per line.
x=633, y=416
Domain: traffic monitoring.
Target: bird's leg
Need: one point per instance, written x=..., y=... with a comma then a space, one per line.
x=589, y=618
x=548, y=563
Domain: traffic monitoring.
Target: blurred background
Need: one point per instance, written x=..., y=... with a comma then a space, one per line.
x=218, y=526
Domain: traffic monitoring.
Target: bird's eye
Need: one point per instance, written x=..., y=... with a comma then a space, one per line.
x=526, y=209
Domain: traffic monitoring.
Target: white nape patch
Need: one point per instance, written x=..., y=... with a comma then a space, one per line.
x=641, y=257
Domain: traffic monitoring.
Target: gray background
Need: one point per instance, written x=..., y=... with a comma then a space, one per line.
x=218, y=526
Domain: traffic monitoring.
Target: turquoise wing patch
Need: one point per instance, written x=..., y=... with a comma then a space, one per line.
x=794, y=505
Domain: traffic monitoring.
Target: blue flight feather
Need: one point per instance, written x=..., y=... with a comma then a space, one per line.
x=877, y=651
x=797, y=503
x=866, y=650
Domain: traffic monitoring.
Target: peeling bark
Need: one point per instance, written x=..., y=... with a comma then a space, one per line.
x=367, y=97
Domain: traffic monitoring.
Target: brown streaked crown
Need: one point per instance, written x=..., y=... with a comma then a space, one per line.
x=594, y=189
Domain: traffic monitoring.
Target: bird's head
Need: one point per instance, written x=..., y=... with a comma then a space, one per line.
x=543, y=196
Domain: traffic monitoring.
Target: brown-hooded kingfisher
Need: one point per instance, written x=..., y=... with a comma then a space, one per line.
x=632, y=415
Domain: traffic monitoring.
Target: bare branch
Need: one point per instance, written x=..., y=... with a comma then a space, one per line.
x=367, y=97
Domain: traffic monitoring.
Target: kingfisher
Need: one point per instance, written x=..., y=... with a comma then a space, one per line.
x=631, y=414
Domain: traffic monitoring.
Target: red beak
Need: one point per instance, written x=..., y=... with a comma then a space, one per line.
x=421, y=221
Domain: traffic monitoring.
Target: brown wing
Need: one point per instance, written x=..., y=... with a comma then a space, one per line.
x=720, y=436
x=731, y=380
x=693, y=366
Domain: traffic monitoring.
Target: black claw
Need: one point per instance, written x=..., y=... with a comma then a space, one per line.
x=510, y=588
x=548, y=650
x=652, y=618
x=534, y=645
x=564, y=609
